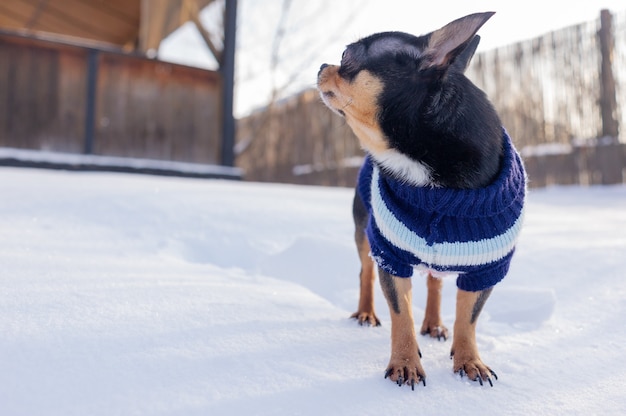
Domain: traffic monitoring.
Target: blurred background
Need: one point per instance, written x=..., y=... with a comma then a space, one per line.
x=230, y=84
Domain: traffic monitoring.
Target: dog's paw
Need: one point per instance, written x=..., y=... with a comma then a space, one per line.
x=407, y=371
x=475, y=370
x=435, y=331
x=366, y=318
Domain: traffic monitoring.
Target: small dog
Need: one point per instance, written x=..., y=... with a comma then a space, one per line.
x=441, y=189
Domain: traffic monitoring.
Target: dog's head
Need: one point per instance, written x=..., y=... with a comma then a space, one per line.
x=393, y=88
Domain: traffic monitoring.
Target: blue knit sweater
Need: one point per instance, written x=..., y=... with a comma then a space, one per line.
x=471, y=232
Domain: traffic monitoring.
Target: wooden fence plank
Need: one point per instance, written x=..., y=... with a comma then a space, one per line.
x=173, y=111
x=42, y=95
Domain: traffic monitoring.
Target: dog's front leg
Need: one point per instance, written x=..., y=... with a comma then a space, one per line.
x=433, y=325
x=365, y=314
x=464, y=348
x=404, y=366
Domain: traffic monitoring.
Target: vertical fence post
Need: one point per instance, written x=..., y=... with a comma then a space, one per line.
x=608, y=101
x=90, y=107
x=227, y=70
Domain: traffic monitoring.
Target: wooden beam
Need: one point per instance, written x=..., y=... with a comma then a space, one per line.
x=159, y=18
x=193, y=14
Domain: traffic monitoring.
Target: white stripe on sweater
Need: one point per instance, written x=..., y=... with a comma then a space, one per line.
x=471, y=253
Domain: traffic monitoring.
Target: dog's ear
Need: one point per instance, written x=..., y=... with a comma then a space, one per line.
x=453, y=40
x=463, y=59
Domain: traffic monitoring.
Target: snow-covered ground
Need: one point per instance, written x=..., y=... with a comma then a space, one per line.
x=124, y=295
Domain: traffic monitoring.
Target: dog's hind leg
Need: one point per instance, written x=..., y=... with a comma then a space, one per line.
x=433, y=324
x=405, y=366
x=464, y=348
x=365, y=314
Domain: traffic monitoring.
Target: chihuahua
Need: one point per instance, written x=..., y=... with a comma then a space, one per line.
x=441, y=190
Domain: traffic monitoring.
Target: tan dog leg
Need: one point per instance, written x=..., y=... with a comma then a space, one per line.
x=433, y=325
x=464, y=348
x=365, y=314
x=404, y=366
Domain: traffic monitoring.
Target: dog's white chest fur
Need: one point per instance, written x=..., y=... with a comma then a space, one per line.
x=411, y=171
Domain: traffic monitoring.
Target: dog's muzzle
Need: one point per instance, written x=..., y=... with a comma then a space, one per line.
x=321, y=69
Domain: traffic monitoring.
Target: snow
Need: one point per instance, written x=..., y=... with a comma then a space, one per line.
x=27, y=157
x=546, y=149
x=130, y=294
x=346, y=162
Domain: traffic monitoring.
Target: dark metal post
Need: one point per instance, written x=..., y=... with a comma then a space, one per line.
x=227, y=69
x=608, y=101
x=90, y=108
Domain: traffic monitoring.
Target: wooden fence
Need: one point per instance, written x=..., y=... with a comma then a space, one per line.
x=78, y=99
x=567, y=89
x=298, y=141
x=602, y=164
x=560, y=87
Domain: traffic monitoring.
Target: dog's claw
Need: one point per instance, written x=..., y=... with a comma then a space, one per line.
x=435, y=331
x=480, y=376
x=363, y=318
x=404, y=378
